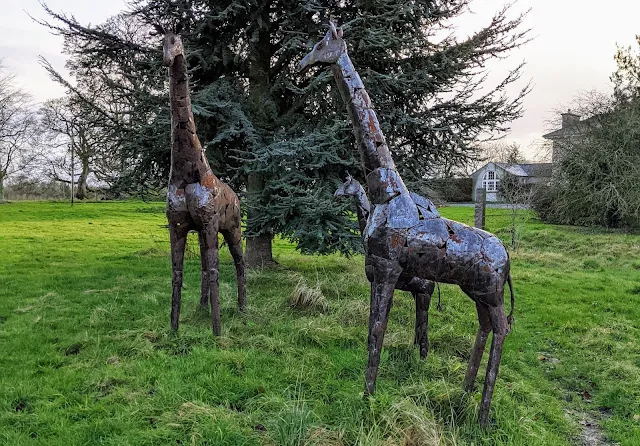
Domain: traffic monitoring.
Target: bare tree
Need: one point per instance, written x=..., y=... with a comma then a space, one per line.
x=17, y=128
x=502, y=152
x=78, y=143
x=498, y=151
x=517, y=195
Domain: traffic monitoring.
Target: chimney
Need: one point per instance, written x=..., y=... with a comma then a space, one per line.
x=569, y=119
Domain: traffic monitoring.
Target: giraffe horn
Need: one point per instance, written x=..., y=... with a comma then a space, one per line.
x=334, y=32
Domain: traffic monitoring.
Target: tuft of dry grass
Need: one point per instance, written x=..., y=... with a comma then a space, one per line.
x=305, y=297
x=404, y=424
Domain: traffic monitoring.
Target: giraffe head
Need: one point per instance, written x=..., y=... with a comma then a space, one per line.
x=171, y=44
x=350, y=188
x=327, y=51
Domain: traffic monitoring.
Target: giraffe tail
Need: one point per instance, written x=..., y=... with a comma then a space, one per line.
x=510, y=316
x=439, y=306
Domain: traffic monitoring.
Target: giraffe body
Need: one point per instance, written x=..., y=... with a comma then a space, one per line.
x=196, y=199
x=420, y=289
x=404, y=237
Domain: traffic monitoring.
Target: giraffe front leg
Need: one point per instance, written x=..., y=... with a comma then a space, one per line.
x=386, y=273
x=178, y=237
x=499, y=328
x=210, y=235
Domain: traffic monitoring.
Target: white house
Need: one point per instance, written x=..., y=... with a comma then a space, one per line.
x=490, y=175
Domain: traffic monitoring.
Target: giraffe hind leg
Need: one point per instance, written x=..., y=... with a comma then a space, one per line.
x=204, y=289
x=499, y=327
x=234, y=240
x=422, y=296
x=478, y=347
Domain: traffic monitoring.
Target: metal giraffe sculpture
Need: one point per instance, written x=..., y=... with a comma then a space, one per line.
x=420, y=289
x=196, y=199
x=412, y=239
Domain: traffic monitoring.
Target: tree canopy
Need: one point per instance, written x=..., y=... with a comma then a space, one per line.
x=626, y=78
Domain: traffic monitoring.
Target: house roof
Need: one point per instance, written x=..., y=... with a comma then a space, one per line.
x=528, y=170
x=575, y=129
x=522, y=170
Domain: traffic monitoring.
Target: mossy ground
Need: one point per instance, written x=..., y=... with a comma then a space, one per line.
x=87, y=356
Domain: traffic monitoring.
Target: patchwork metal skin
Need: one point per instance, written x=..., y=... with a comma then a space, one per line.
x=420, y=289
x=409, y=238
x=196, y=199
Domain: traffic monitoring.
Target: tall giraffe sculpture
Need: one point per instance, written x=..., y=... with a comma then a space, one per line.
x=420, y=289
x=407, y=238
x=196, y=199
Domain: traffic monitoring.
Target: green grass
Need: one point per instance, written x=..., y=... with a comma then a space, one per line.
x=87, y=357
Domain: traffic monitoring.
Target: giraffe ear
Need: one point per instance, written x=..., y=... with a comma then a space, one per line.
x=340, y=32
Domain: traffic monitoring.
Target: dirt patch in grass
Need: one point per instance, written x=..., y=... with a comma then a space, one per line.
x=73, y=349
x=635, y=290
x=590, y=431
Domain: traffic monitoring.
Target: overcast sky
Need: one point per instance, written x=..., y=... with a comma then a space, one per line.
x=572, y=50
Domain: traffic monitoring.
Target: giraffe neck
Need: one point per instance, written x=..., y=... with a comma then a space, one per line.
x=188, y=162
x=383, y=180
x=363, y=208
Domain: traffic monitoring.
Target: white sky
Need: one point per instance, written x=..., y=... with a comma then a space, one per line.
x=572, y=50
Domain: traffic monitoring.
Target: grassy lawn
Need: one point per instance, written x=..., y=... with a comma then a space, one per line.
x=87, y=357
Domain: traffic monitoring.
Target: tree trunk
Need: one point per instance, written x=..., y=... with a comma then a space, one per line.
x=259, y=251
x=1, y=188
x=81, y=187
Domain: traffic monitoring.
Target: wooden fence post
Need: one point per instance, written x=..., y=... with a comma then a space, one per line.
x=481, y=206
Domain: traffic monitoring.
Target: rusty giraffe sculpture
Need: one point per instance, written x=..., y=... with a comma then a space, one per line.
x=403, y=237
x=420, y=289
x=196, y=199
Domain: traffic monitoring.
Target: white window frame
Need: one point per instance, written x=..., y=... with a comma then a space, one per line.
x=490, y=181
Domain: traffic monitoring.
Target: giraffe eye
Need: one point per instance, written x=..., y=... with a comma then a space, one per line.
x=320, y=45
x=173, y=41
